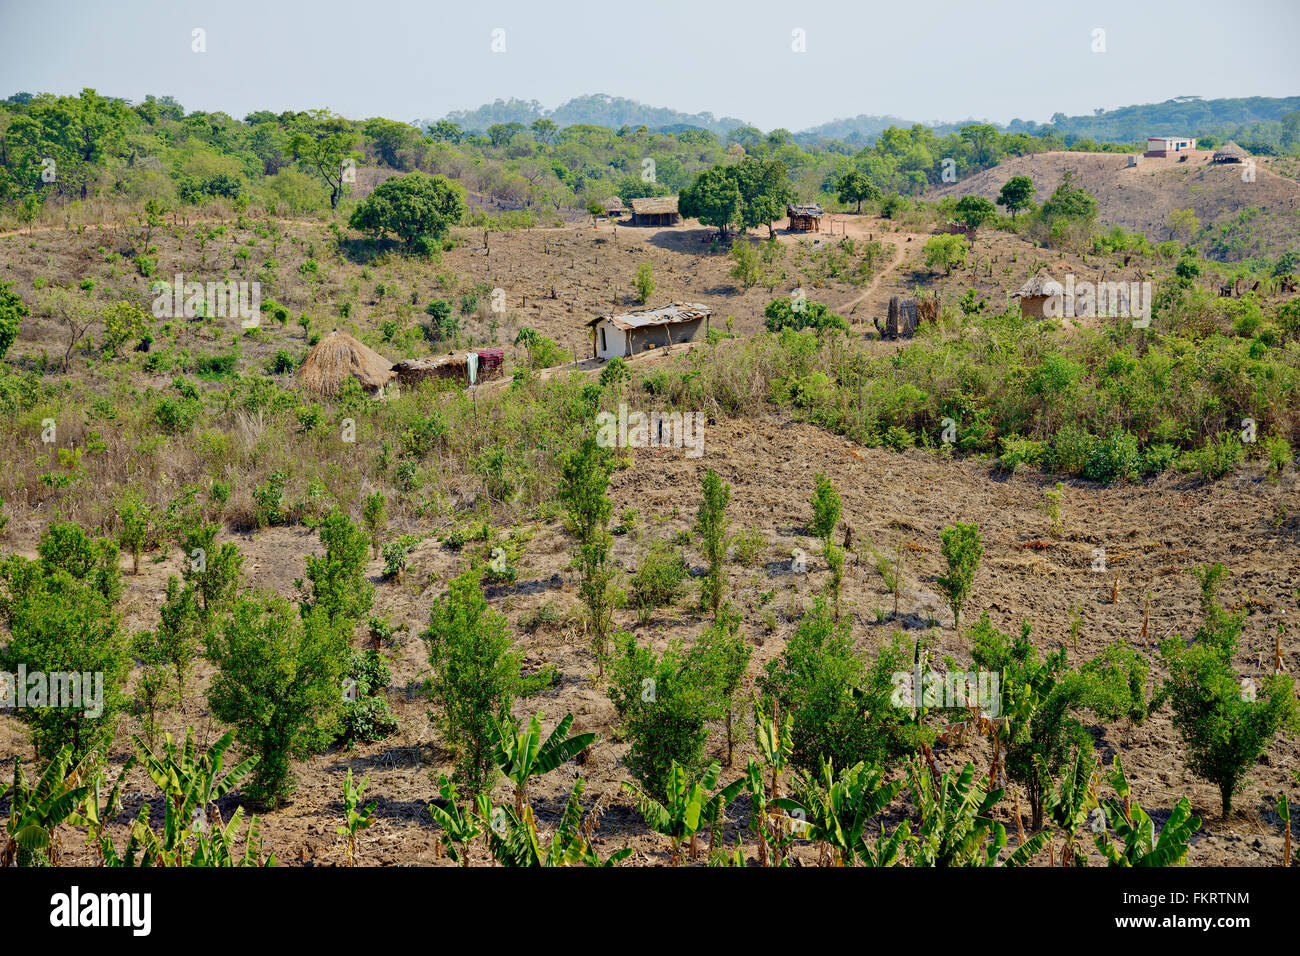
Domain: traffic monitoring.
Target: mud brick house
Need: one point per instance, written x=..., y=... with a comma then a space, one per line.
x=464, y=367
x=633, y=332
x=805, y=217
x=655, y=211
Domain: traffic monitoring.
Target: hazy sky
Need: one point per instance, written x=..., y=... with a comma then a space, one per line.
x=918, y=59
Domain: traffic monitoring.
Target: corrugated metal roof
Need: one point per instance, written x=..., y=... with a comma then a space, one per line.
x=663, y=315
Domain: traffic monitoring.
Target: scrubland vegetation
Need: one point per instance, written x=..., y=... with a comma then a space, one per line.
x=133, y=440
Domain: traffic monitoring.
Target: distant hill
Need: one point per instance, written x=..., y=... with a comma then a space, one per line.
x=1238, y=219
x=598, y=109
x=1183, y=115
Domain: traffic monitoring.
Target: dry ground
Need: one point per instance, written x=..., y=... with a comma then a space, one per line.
x=1151, y=532
x=1140, y=199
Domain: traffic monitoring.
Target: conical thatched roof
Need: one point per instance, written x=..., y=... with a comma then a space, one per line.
x=1230, y=152
x=1037, y=287
x=338, y=356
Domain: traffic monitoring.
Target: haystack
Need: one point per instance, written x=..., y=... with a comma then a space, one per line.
x=339, y=356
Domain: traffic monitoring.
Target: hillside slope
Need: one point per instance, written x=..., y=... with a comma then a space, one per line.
x=1239, y=219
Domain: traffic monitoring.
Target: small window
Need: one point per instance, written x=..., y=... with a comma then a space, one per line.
x=603, y=346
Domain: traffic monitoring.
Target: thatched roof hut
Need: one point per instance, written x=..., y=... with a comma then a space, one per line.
x=337, y=357
x=655, y=211
x=1035, y=293
x=1230, y=152
x=614, y=206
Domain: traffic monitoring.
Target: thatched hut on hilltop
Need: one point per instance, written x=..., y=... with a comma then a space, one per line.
x=1230, y=152
x=338, y=357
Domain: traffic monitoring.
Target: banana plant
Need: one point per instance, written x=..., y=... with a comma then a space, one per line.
x=954, y=827
x=834, y=811
x=775, y=743
x=96, y=814
x=459, y=826
x=215, y=846
x=514, y=839
x=354, y=820
x=688, y=807
x=522, y=754
x=1138, y=843
x=1071, y=802
x=38, y=809
x=191, y=783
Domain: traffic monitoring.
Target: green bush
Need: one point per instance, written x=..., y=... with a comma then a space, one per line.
x=658, y=580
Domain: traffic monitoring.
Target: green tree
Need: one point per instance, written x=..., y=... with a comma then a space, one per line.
x=714, y=199
x=663, y=704
x=12, y=310
x=826, y=508
x=1016, y=194
x=375, y=517
x=474, y=677
x=975, y=211
x=416, y=208
x=584, y=485
x=838, y=702
x=712, y=526
x=854, y=186
x=324, y=147
x=339, y=585
x=722, y=655
x=644, y=282
x=1226, y=723
x=962, y=549
x=279, y=683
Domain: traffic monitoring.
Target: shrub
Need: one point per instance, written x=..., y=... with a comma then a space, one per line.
x=61, y=623
x=1113, y=458
x=474, y=677
x=663, y=705
x=658, y=579
x=278, y=682
x=339, y=586
x=711, y=526
x=268, y=501
x=962, y=549
x=1021, y=451
x=1224, y=724
x=644, y=282
x=747, y=546
x=12, y=310
x=365, y=715
x=826, y=508
x=839, y=705
x=1220, y=456
x=783, y=314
